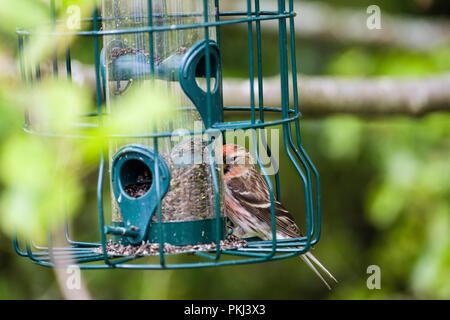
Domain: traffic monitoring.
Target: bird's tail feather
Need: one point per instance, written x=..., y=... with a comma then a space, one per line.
x=306, y=257
x=317, y=262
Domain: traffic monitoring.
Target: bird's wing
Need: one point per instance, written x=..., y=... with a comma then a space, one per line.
x=254, y=197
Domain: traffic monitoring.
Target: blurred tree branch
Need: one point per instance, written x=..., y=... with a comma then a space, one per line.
x=321, y=21
x=321, y=95
x=362, y=96
x=62, y=278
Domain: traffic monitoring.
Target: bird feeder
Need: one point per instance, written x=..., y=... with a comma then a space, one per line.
x=164, y=201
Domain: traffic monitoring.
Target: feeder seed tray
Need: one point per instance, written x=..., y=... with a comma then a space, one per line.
x=152, y=249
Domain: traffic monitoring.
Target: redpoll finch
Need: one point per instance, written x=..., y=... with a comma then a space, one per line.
x=247, y=204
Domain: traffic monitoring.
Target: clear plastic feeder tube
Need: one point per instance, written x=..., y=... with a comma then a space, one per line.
x=128, y=61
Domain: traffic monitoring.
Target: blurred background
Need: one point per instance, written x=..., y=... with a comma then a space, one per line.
x=375, y=123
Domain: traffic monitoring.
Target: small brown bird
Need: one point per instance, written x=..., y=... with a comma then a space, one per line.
x=247, y=204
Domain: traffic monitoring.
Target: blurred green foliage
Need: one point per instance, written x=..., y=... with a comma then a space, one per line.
x=385, y=181
x=360, y=61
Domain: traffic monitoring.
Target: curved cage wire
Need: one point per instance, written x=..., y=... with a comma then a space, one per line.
x=94, y=255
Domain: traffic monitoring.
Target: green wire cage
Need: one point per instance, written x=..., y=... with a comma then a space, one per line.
x=178, y=43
